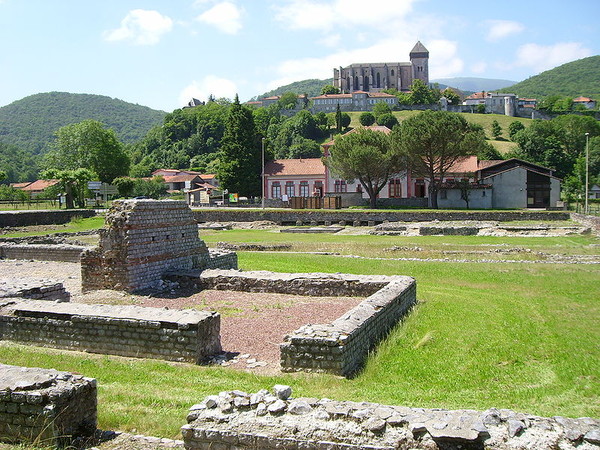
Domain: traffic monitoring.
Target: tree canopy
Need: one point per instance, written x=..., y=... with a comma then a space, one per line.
x=433, y=142
x=89, y=145
x=240, y=155
x=365, y=155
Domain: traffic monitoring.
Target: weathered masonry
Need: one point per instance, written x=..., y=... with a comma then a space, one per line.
x=342, y=346
x=45, y=407
x=176, y=335
x=145, y=240
x=34, y=289
x=236, y=420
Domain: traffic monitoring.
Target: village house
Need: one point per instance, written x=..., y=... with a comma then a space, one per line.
x=585, y=101
x=186, y=180
x=501, y=184
x=34, y=188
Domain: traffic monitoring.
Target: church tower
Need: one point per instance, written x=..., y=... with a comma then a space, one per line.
x=419, y=58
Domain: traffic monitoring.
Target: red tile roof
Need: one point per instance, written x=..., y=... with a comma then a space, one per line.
x=20, y=185
x=40, y=185
x=305, y=166
x=179, y=178
x=464, y=165
x=476, y=96
x=582, y=100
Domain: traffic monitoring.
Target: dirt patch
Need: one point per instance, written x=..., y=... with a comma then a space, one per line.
x=252, y=324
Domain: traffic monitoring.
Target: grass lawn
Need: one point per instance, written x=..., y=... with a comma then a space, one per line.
x=521, y=336
x=75, y=225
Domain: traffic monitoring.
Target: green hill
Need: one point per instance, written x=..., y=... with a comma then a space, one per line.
x=581, y=77
x=30, y=123
x=311, y=87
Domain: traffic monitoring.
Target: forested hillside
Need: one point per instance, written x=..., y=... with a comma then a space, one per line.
x=581, y=77
x=311, y=87
x=30, y=123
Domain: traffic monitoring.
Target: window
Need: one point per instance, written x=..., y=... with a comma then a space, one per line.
x=392, y=72
x=378, y=80
x=304, y=189
x=394, y=188
x=318, y=189
x=359, y=188
x=340, y=186
x=289, y=188
x=443, y=194
x=276, y=190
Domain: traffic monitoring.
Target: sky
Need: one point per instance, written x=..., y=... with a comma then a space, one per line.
x=161, y=53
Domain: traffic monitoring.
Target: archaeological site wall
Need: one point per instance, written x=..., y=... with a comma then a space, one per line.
x=34, y=289
x=143, y=241
x=235, y=420
x=45, y=407
x=41, y=252
x=42, y=217
x=340, y=347
x=371, y=218
x=176, y=335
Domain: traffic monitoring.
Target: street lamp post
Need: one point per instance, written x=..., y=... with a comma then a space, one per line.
x=262, y=176
x=587, y=171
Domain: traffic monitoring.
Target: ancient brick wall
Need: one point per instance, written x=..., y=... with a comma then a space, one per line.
x=49, y=217
x=235, y=420
x=342, y=346
x=45, y=407
x=42, y=252
x=144, y=239
x=176, y=335
x=34, y=289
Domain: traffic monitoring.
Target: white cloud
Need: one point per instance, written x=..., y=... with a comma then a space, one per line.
x=331, y=41
x=544, y=57
x=318, y=15
x=499, y=29
x=142, y=27
x=209, y=85
x=479, y=67
x=225, y=16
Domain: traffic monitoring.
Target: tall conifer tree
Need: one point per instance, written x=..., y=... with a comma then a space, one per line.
x=240, y=159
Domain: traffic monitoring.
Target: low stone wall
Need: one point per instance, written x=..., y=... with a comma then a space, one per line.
x=354, y=217
x=321, y=284
x=33, y=289
x=42, y=252
x=589, y=221
x=342, y=346
x=176, y=335
x=45, y=407
x=235, y=420
x=42, y=217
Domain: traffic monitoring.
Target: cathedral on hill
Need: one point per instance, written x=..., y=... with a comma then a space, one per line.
x=379, y=76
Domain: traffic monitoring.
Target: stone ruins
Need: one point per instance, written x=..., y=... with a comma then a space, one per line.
x=145, y=240
x=45, y=407
x=235, y=420
x=176, y=335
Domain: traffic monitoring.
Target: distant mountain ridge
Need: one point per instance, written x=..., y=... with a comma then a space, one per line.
x=580, y=77
x=30, y=123
x=473, y=84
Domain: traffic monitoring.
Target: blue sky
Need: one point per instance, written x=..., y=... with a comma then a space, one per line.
x=161, y=53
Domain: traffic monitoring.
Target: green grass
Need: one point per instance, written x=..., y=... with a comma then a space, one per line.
x=28, y=206
x=520, y=336
x=75, y=225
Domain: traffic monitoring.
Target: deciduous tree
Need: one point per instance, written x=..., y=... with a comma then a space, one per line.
x=91, y=146
x=367, y=156
x=434, y=141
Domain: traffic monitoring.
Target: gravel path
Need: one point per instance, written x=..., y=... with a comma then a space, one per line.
x=252, y=324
